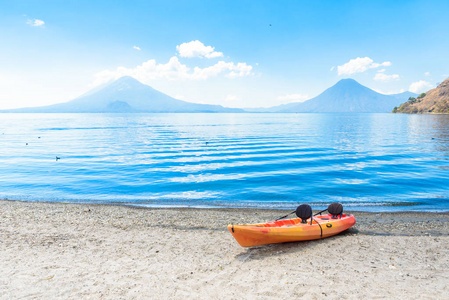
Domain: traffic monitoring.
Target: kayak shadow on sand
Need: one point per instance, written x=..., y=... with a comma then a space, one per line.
x=264, y=251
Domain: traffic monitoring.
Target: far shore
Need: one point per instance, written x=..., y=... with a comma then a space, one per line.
x=85, y=251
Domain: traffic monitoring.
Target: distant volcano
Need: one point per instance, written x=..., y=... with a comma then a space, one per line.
x=347, y=95
x=126, y=94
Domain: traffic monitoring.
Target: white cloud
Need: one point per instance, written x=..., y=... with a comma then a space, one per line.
x=359, y=65
x=197, y=49
x=35, y=22
x=238, y=70
x=420, y=86
x=174, y=70
x=389, y=92
x=232, y=100
x=137, y=48
x=427, y=74
x=333, y=67
x=384, y=77
x=180, y=97
x=293, y=98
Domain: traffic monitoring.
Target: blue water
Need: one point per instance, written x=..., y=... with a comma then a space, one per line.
x=372, y=162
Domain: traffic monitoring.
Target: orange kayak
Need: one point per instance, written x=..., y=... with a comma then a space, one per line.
x=290, y=230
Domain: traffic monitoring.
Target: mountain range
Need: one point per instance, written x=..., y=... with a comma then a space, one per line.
x=126, y=94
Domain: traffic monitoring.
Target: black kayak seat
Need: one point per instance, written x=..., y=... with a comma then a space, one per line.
x=304, y=212
x=335, y=209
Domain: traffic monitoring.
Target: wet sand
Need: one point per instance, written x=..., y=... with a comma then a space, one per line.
x=78, y=251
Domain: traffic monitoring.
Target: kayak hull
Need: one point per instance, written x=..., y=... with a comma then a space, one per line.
x=291, y=230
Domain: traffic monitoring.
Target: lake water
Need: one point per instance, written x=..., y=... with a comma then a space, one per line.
x=372, y=162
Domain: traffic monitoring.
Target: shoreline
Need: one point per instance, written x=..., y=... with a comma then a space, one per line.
x=59, y=250
x=407, y=223
x=211, y=207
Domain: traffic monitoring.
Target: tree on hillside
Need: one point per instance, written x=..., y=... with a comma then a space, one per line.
x=422, y=95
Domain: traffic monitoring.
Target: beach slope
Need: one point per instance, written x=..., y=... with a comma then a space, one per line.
x=50, y=250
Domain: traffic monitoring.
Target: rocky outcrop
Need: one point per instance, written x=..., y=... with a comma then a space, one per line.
x=434, y=101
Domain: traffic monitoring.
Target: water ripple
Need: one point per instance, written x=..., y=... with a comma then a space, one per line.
x=377, y=162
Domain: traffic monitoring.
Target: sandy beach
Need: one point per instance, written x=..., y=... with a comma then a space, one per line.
x=79, y=251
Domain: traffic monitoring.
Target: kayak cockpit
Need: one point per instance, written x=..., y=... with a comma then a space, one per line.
x=297, y=221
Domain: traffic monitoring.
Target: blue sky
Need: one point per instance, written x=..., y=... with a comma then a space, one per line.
x=233, y=53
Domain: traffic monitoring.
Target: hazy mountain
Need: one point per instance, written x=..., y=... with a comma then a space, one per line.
x=434, y=101
x=126, y=94
x=347, y=95
x=404, y=96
